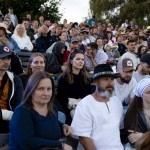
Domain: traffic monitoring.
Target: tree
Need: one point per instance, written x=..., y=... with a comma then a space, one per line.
x=47, y=8
x=119, y=10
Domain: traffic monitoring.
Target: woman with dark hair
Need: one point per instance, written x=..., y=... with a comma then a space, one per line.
x=54, y=60
x=36, y=64
x=141, y=50
x=73, y=84
x=34, y=124
x=137, y=119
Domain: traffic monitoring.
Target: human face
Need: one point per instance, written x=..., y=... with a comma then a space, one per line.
x=99, y=42
x=63, y=36
x=63, y=50
x=105, y=84
x=20, y=30
x=37, y=64
x=5, y=63
x=126, y=74
x=58, y=30
x=146, y=96
x=74, y=45
x=143, y=49
x=145, y=68
x=131, y=47
x=78, y=61
x=43, y=93
x=91, y=51
x=26, y=24
x=2, y=31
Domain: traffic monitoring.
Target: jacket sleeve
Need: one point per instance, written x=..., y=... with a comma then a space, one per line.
x=52, y=64
x=18, y=92
x=23, y=129
x=38, y=45
x=16, y=47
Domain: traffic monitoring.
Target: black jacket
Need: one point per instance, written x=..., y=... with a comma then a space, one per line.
x=54, y=60
x=65, y=90
x=14, y=97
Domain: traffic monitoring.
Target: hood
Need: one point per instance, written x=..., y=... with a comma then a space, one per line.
x=58, y=47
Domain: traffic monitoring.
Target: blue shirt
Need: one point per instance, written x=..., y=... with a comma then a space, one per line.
x=29, y=130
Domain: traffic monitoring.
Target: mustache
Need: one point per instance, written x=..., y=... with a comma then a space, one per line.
x=111, y=87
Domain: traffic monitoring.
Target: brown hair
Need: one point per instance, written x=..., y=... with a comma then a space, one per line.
x=132, y=113
x=29, y=70
x=68, y=71
x=32, y=85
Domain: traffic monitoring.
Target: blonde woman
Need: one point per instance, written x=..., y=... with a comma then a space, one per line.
x=21, y=38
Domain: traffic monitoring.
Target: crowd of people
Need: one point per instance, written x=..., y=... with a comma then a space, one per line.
x=86, y=86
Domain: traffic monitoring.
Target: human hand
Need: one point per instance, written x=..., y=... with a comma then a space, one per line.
x=134, y=136
x=89, y=55
x=66, y=147
x=67, y=130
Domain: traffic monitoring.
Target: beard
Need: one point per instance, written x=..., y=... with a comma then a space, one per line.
x=124, y=80
x=107, y=92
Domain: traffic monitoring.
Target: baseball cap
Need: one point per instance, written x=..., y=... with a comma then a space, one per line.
x=74, y=39
x=3, y=25
x=125, y=64
x=5, y=51
x=146, y=59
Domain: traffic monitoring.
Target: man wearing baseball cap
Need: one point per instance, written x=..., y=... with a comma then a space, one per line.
x=143, y=69
x=11, y=91
x=98, y=116
x=125, y=84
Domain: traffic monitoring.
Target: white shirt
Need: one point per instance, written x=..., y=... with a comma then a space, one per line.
x=100, y=58
x=23, y=42
x=86, y=41
x=133, y=57
x=99, y=121
x=125, y=91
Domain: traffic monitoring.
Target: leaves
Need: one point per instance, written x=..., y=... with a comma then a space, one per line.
x=47, y=8
x=119, y=10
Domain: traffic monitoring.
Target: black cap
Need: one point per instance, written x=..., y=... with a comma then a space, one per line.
x=5, y=51
x=146, y=59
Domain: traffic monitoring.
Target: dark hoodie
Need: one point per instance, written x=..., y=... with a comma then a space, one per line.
x=54, y=61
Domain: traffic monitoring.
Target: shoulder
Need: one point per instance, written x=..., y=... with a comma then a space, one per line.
x=21, y=109
x=133, y=81
x=116, y=102
x=86, y=101
x=62, y=77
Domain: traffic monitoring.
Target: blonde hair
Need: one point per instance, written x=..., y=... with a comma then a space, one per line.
x=16, y=32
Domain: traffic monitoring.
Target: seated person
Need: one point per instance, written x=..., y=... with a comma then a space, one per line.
x=11, y=91
x=93, y=56
x=113, y=54
x=35, y=124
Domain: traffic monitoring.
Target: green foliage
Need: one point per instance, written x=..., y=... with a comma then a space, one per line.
x=131, y=9
x=47, y=8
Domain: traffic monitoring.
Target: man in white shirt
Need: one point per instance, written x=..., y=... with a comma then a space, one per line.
x=143, y=68
x=98, y=116
x=125, y=84
x=93, y=56
x=131, y=46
